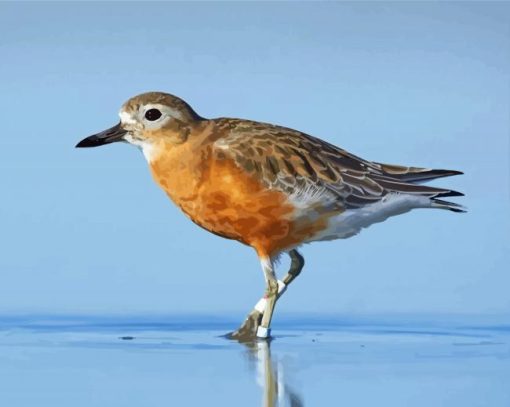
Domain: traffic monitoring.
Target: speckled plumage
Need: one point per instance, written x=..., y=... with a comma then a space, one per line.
x=291, y=161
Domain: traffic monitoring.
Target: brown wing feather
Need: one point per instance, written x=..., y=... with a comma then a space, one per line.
x=294, y=162
x=414, y=174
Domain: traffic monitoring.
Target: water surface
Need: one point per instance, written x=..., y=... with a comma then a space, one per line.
x=184, y=361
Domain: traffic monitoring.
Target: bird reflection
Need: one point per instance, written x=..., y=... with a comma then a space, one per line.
x=271, y=376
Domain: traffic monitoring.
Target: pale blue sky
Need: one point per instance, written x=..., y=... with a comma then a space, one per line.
x=424, y=84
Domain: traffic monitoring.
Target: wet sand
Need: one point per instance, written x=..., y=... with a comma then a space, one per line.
x=312, y=361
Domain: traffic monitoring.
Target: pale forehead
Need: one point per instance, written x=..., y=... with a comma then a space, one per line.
x=126, y=117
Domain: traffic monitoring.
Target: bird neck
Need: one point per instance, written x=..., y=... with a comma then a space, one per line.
x=178, y=165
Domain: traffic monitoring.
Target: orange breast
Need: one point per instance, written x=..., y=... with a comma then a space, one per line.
x=222, y=198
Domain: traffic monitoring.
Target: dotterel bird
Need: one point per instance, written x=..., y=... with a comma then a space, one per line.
x=267, y=186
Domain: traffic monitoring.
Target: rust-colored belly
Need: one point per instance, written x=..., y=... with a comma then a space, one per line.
x=220, y=197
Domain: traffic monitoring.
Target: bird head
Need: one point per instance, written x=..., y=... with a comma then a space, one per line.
x=147, y=119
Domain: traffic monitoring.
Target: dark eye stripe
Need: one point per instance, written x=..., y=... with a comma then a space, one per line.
x=152, y=114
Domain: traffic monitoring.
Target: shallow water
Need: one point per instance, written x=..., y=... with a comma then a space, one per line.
x=184, y=361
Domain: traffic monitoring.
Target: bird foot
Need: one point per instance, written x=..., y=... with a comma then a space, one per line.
x=247, y=332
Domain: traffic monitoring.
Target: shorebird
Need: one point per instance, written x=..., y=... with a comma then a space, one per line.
x=267, y=186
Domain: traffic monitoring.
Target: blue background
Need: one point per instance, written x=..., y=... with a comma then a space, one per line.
x=87, y=231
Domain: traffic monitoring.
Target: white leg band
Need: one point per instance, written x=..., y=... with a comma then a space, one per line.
x=260, y=306
x=263, y=332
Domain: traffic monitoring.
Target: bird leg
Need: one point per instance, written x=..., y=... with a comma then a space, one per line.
x=297, y=262
x=248, y=330
x=264, y=331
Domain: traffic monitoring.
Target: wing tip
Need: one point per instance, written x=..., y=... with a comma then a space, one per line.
x=450, y=193
x=422, y=175
x=449, y=173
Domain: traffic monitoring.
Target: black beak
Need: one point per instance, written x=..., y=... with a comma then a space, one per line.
x=105, y=137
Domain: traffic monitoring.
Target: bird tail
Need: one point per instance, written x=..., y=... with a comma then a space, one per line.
x=451, y=206
x=434, y=194
x=404, y=179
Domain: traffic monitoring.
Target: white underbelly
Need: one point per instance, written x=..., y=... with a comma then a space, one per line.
x=350, y=222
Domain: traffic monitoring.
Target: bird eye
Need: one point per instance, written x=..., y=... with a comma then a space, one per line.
x=152, y=114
